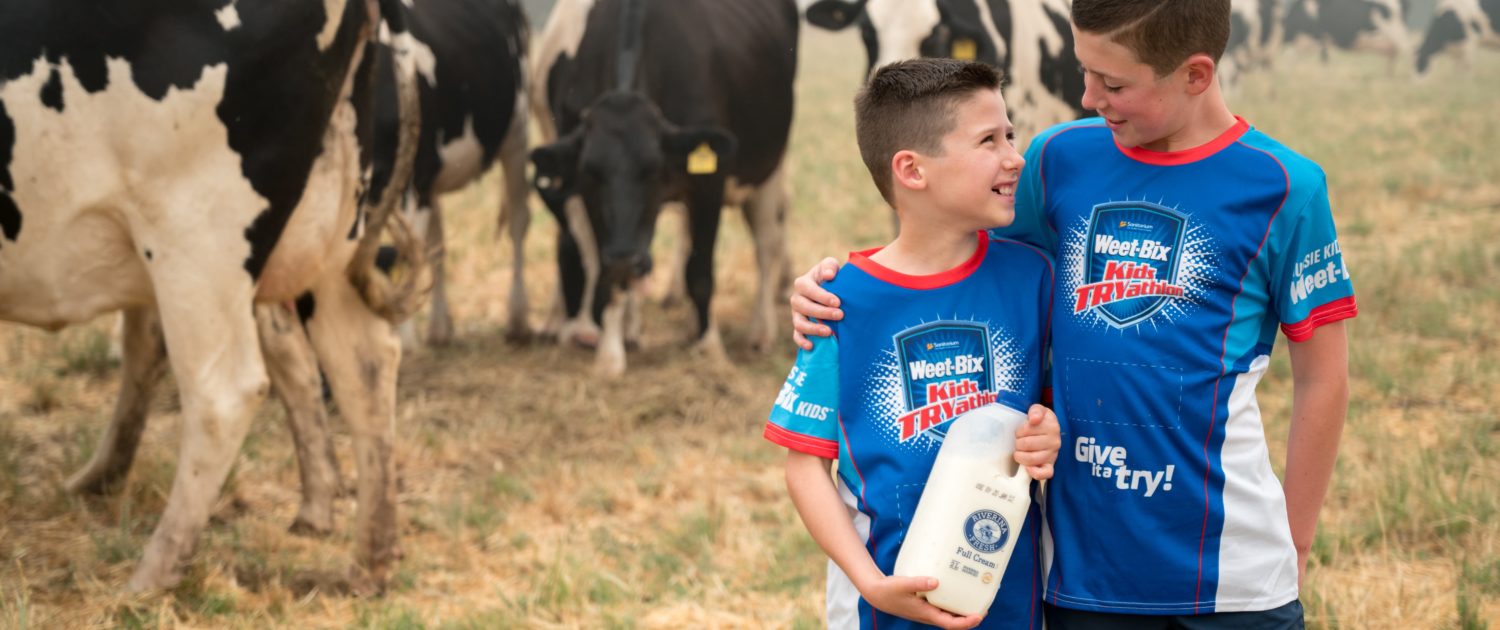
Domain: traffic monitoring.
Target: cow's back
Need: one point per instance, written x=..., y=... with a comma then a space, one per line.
x=727, y=63
x=117, y=117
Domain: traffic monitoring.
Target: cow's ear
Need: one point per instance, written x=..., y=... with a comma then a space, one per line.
x=699, y=150
x=834, y=15
x=556, y=166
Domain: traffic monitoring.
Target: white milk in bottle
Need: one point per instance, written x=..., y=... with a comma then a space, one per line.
x=971, y=512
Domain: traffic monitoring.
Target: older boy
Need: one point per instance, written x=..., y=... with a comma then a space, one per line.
x=941, y=320
x=1185, y=238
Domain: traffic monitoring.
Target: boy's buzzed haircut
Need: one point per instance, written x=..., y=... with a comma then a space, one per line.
x=909, y=106
x=1161, y=33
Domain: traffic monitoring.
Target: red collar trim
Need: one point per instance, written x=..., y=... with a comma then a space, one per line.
x=1188, y=156
x=934, y=281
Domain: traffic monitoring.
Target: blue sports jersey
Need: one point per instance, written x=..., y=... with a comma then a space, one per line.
x=911, y=354
x=1175, y=271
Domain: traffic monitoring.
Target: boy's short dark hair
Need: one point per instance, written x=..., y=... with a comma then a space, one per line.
x=909, y=106
x=1161, y=33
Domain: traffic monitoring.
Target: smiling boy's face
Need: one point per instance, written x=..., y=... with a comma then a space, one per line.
x=974, y=180
x=1141, y=109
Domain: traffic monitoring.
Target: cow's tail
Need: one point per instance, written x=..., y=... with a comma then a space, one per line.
x=399, y=296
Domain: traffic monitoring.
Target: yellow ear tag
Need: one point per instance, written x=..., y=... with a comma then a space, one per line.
x=965, y=49
x=703, y=161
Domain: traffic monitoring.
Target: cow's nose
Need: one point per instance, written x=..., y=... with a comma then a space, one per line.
x=624, y=268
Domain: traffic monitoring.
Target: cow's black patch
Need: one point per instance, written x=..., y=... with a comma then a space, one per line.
x=276, y=120
x=1444, y=31
x=52, y=92
x=1059, y=72
x=306, y=307
x=7, y=148
x=10, y=215
x=165, y=46
x=1267, y=11
x=1239, y=32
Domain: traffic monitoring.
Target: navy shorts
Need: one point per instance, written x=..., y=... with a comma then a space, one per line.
x=1288, y=617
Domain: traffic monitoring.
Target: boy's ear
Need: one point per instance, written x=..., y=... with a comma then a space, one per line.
x=556, y=167
x=1200, y=70
x=907, y=170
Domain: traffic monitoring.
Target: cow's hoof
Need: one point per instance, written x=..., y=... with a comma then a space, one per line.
x=609, y=366
x=304, y=526
x=519, y=334
x=365, y=583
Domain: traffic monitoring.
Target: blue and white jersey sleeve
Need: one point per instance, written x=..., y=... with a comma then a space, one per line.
x=1310, y=284
x=805, y=416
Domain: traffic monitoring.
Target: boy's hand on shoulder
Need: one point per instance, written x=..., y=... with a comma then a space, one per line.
x=1037, y=442
x=902, y=596
x=810, y=300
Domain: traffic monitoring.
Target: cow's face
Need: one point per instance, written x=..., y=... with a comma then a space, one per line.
x=905, y=29
x=623, y=161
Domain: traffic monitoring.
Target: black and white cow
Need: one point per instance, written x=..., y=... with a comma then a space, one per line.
x=1254, y=31
x=650, y=101
x=1030, y=40
x=197, y=165
x=470, y=57
x=1360, y=25
x=1460, y=26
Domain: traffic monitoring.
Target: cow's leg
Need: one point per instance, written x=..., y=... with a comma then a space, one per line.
x=295, y=379
x=609, y=356
x=439, y=321
x=143, y=362
x=515, y=216
x=705, y=206
x=765, y=211
x=633, y=316
x=677, y=283
x=360, y=354
x=578, y=263
x=209, y=327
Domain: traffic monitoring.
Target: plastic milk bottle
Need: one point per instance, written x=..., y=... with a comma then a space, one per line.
x=971, y=512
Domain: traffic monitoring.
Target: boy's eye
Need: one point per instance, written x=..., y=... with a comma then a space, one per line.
x=1010, y=137
x=1113, y=88
x=988, y=139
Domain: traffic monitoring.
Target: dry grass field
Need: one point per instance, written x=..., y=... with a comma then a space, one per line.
x=533, y=495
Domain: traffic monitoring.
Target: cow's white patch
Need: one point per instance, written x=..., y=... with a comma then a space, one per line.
x=228, y=17
x=462, y=159
x=140, y=174
x=333, y=10
x=421, y=54
x=902, y=25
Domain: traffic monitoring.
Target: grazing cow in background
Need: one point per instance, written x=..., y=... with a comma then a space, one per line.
x=650, y=101
x=1357, y=25
x=470, y=57
x=1461, y=26
x=1030, y=40
x=1253, y=32
x=185, y=164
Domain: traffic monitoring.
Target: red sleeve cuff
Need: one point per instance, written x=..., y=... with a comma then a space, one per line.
x=1329, y=313
x=817, y=447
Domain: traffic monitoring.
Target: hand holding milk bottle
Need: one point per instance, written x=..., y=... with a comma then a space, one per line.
x=971, y=512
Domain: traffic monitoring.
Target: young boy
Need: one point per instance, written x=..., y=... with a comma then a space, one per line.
x=941, y=320
x=1184, y=239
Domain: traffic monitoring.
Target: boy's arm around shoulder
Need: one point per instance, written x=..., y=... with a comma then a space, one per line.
x=1320, y=401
